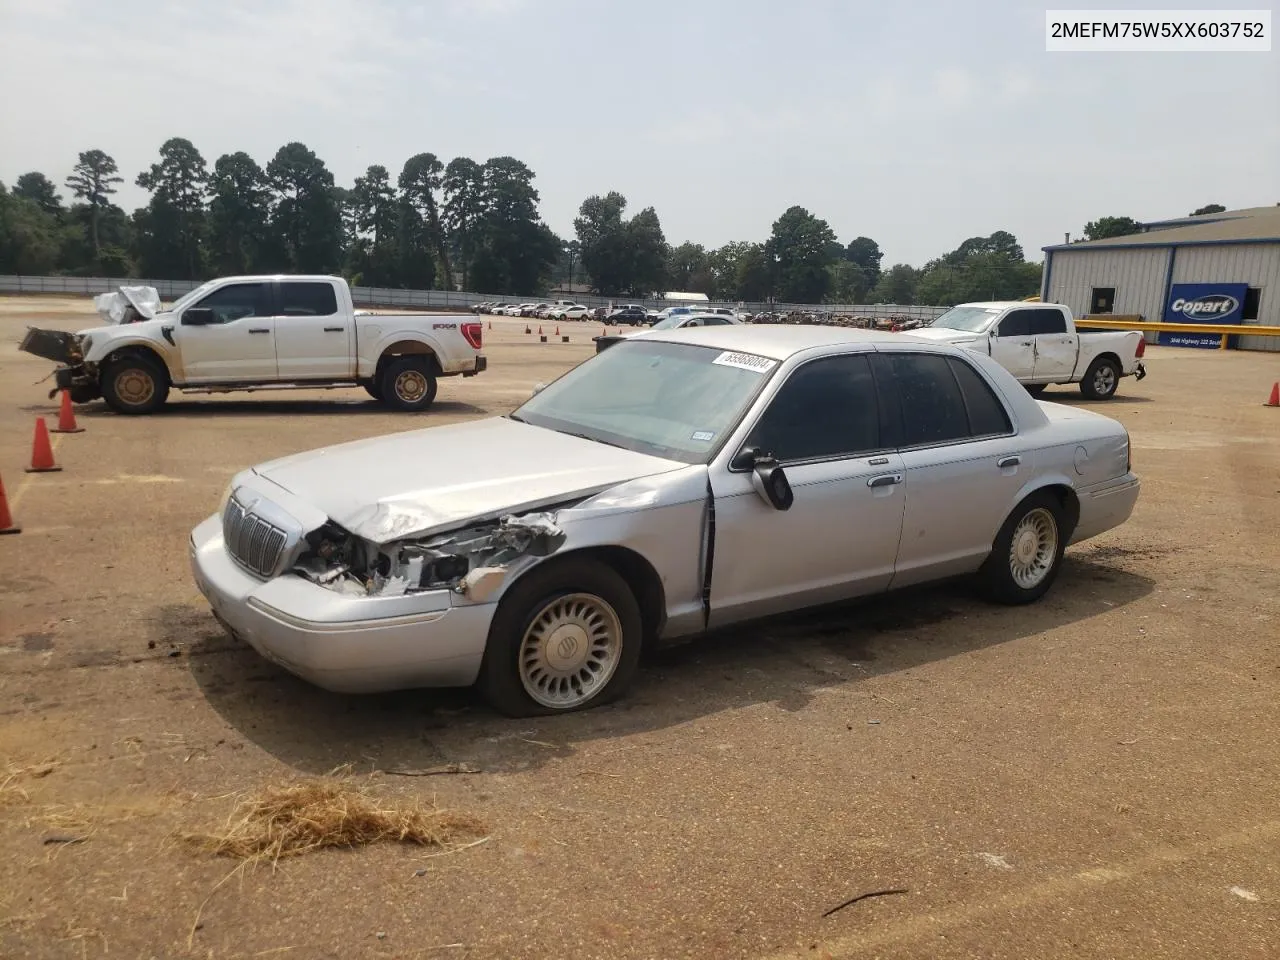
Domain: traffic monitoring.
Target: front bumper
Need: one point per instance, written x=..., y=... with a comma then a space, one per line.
x=347, y=644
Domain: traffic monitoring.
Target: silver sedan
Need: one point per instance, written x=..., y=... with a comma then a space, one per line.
x=679, y=482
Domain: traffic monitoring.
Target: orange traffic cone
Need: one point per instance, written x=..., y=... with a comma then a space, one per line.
x=67, y=417
x=539, y=329
x=526, y=329
x=490, y=324
x=557, y=329
x=1274, y=401
x=604, y=331
x=6, y=520
x=42, y=450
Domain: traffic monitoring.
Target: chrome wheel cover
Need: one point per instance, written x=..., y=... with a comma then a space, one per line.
x=135, y=387
x=570, y=650
x=1033, y=549
x=1104, y=379
x=411, y=386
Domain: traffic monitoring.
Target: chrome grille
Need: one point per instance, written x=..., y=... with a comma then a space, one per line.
x=252, y=542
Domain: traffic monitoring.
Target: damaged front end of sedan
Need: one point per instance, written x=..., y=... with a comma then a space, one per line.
x=472, y=561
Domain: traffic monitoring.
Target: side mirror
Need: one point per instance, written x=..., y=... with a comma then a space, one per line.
x=771, y=483
x=198, y=317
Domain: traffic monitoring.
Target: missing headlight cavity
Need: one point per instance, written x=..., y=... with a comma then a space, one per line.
x=345, y=563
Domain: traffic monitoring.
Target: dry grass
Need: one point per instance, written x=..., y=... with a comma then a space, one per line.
x=11, y=778
x=288, y=820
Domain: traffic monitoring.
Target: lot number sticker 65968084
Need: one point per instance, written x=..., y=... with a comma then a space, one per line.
x=745, y=361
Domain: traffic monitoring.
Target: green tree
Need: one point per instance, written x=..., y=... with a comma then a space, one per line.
x=29, y=235
x=93, y=180
x=647, y=249
x=848, y=282
x=621, y=256
x=897, y=285
x=39, y=189
x=1105, y=227
x=799, y=252
x=373, y=254
x=420, y=181
x=515, y=251
x=171, y=230
x=464, y=209
x=689, y=268
x=239, y=215
x=307, y=218
x=1210, y=208
x=866, y=253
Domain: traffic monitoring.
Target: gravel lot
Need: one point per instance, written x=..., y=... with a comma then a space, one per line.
x=1095, y=776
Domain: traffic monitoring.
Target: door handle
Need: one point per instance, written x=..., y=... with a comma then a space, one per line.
x=885, y=480
x=259, y=329
x=1008, y=462
x=334, y=329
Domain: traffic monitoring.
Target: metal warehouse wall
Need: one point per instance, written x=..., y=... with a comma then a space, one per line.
x=1138, y=276
x=1255, y=264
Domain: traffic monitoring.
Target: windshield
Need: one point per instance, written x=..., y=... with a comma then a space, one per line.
x=194, y=295
x=672, y=400
x=969, y=319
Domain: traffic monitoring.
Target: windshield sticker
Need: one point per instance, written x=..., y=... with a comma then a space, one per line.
x=745, y=361
x=704, y=435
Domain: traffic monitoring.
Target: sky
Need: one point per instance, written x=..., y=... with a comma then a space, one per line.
x=917, y=124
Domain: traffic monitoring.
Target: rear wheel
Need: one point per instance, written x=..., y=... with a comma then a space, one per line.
x=1027, y=552
x=1101, y=379
x=408, y=384
x=134, y=385
x=566, y=637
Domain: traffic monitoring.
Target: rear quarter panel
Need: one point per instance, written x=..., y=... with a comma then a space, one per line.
x=442, y=335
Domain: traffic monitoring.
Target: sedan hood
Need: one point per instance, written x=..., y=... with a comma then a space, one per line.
x=427, y=481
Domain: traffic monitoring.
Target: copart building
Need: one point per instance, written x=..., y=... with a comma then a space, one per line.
x=1214, y=268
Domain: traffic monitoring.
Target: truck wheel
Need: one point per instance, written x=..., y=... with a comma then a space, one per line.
x=1035, y=389
x=84, y=393
x=408, y=384
x=373, y=389
x=1101, y=379
x=1027, y=552
x=134, y=385
x=566, y=637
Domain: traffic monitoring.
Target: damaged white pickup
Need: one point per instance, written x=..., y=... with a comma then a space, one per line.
x=472, y=561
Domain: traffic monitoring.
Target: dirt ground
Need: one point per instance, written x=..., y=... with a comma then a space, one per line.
x=1095, y=776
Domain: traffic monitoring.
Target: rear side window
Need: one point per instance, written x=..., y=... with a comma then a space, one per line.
x=827, y=408
x=987, y=416
x=298, y=298
x=1048, y=322
x=933, y=407
x=236, y=301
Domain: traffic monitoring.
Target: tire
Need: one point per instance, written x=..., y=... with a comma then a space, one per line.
x=1101, y=380
x=585, y=594
x=1035, y=389
x=134, y=385
x=1027, y=553
x=408, y=384
x=84, y=393
x=372, y=389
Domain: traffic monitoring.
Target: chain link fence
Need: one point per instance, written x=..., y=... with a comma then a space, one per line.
x=171, y=290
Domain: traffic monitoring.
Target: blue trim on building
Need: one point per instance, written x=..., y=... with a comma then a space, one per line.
x=1168, y=283
x=1048, y=274
x=1086, y=246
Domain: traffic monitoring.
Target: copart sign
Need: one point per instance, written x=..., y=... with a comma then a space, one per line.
x=1202, y=303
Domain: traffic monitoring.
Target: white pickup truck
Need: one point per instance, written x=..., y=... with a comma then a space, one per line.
x=263, y=332
x=1039, y=344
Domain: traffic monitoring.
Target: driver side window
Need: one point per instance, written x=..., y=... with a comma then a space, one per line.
x=236, y=301
x=1017, y=324
x=827, y=408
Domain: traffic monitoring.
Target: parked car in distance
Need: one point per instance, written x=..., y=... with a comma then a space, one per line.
x=674, y=312
x=263, y=332
x=531, y=309
x=630, y=315
x=1039, y=344
x=575, y=312
x=681, y=482
x=674, y=322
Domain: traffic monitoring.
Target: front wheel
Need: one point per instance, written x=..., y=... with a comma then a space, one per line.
x=1027, y=552
x=1101, y=379
x=408, y=384
x=373, y=389
x=134, y=385
x=566, y=637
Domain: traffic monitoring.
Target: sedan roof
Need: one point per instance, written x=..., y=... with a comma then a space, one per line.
x=780, y=341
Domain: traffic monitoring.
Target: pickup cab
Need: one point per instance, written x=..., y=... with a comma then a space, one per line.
x=263, y=332
x=1039, y=344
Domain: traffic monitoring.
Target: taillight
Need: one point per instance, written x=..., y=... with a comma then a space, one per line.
x=1142, y=347
x=474, y=332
